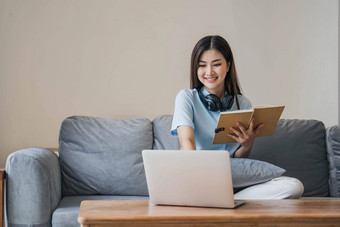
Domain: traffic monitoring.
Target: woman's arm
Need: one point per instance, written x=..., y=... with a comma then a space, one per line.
x=245, y=137
x=186, y=137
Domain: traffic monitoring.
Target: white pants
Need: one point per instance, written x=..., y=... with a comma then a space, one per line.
x=278, y=188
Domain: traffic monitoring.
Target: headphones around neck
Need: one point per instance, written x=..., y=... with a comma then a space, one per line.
x=213, y=103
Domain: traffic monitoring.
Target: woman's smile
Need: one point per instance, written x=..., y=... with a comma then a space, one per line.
x=211, y=79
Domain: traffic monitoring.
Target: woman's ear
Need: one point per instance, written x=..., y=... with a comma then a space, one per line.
x=228, y=66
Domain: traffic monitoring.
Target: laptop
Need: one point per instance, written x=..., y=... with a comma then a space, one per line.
x=189, y=178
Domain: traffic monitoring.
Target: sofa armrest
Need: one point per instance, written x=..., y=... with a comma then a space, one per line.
x=33, y=187
x=2, y=183
x=333, y=155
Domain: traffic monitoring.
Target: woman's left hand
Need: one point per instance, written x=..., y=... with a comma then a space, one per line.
x=245, y=137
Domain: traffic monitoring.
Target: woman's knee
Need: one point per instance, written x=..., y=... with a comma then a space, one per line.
x=292, y=188
x=277, y=188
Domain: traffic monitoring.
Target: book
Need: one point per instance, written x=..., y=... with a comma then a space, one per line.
x=268, y=115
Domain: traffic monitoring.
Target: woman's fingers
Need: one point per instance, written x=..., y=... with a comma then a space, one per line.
x=257, y=129
x=234, y=137
x=251, y=126
x=254, y=129
x=240, y=135
x=243, y=130
x=235, y=131
x=243, y=134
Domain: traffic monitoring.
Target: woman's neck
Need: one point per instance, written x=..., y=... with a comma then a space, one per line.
x=218, y=92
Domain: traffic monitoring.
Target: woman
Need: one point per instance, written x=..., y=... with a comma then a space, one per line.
x=215, y=88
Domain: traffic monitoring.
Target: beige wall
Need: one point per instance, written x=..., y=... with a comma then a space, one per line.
x=125, y=59
x=288, y=54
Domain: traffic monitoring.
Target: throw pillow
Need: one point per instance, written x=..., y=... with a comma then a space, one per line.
x=246, y=172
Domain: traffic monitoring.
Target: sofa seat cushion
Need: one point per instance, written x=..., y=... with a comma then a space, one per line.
x=299, y=147
x=101, y=156
x=67, y=211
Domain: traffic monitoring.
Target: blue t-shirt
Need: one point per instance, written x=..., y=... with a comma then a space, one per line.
x=190, y=111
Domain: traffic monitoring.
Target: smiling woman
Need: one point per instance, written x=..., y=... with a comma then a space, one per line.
x=215, y=88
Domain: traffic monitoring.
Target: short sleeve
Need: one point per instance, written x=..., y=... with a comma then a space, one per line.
x=183, y=113
x=245, y=104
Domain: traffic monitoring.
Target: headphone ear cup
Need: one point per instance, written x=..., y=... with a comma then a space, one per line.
x=227, y=102
x=213, y=102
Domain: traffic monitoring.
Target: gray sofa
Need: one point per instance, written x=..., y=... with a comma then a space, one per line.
x=101, y=159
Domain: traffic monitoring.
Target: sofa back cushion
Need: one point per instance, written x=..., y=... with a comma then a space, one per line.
x=333, y=153
x=162, y=139
x=103, y=156
x=298, y=146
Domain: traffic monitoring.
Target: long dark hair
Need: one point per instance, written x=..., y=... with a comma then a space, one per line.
x=218, y=43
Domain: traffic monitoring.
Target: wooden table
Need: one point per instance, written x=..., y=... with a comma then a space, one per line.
x=303, y=212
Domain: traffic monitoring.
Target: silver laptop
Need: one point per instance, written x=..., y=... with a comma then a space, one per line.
x=189, y=178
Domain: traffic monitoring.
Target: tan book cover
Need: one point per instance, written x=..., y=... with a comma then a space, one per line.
x=269, y=115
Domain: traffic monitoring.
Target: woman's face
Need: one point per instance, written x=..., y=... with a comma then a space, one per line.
x=212, y=71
